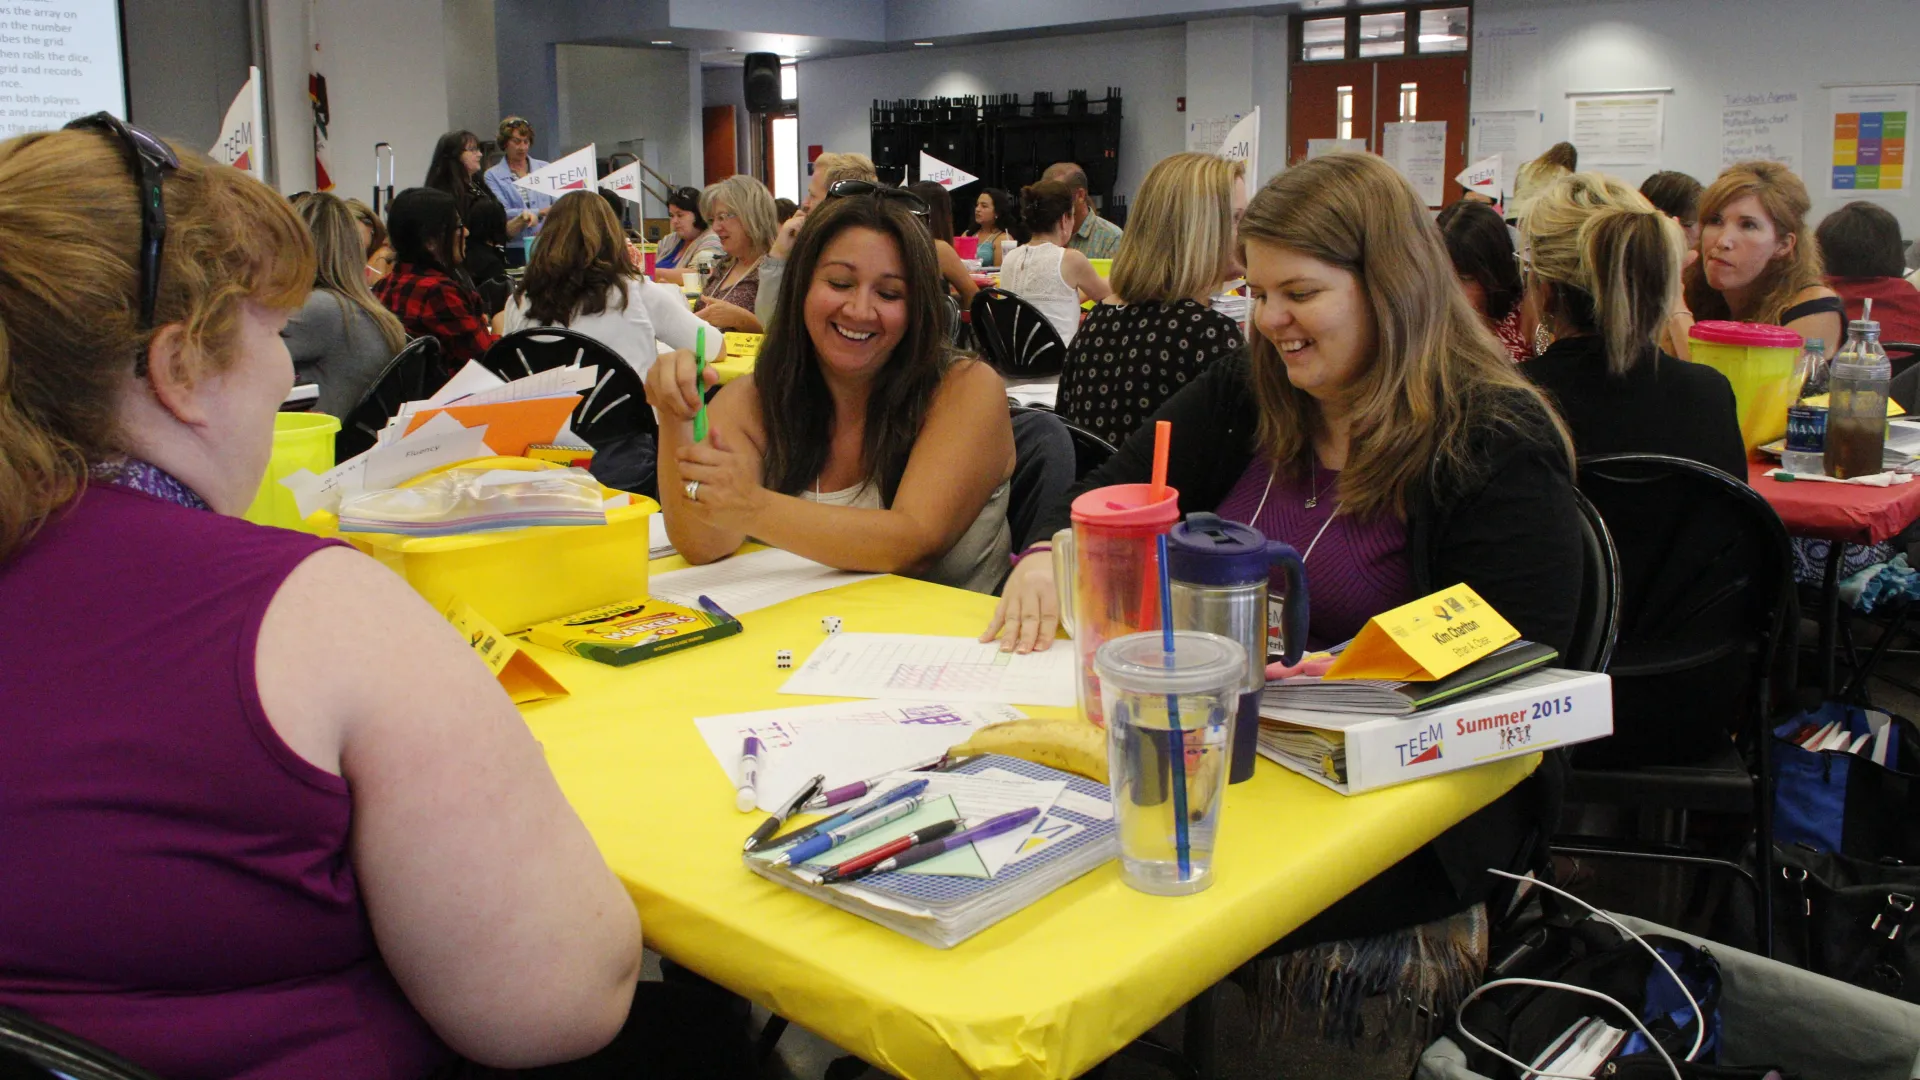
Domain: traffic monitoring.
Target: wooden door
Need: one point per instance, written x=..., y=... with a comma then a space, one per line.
x=1321, y=96
x=1433, y=88
x=718, y=137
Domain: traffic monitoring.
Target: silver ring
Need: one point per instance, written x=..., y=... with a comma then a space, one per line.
x=693, y=491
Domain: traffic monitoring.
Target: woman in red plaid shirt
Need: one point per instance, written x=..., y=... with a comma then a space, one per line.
x=431, y=298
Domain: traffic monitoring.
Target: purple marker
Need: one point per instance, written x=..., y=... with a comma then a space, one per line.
x=920, y=853
x=749, y=794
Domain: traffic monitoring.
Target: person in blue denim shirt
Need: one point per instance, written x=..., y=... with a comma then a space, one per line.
x=516, y=139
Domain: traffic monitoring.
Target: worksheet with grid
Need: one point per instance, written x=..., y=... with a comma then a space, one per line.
x=924, y=667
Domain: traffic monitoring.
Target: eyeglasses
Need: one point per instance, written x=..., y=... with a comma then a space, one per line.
x=151, y=161
x=841, y=189
x=725, y=216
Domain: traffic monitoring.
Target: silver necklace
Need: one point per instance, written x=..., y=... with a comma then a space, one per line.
x=1313, y=495
x=1311, y=502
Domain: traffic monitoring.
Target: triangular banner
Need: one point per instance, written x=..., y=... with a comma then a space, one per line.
x=939, y=172
x=624, y=182
x=239, y=144
x=575, y=172
x=1243, y=144
x=1482, y=176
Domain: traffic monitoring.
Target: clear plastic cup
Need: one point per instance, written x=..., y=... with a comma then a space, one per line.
x=1168, y=720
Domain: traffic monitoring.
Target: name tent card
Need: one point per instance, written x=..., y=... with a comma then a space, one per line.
x=1428, y=639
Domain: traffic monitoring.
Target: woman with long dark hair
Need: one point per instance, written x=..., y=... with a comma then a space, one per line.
x=1481, y=249
x=939, y=222
x=426, y=288
x=993, y=212
x=455, y=169
x=860, y=440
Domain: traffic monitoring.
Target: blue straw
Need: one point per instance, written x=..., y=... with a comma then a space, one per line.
x=1175, y=743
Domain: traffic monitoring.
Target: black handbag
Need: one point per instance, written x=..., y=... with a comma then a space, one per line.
x=1848, y=919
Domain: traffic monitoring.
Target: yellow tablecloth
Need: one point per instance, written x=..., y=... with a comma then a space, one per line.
x=733, y=367
x=1048, y=992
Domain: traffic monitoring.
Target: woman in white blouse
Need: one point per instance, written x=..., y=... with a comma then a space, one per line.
x=1044, y=271
x=582, y=277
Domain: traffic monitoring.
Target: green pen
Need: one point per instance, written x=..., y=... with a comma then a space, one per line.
x=699, y=371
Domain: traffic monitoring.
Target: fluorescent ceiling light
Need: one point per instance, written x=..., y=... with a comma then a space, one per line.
x=662, y=43
x=923, y=44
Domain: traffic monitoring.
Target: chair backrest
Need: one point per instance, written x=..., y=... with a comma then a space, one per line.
x=1015, y=337
x=1045, y=465
x=29, y=1048
x=1705, y=586
x=409, y=376
x=616, y=406
x=1598, y=619
x=956, y=328
x=1090, y=451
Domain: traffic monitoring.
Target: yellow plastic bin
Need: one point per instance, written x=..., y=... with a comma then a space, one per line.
x=300, y=441
x=1103, y=267
x=519, y=577
x=1758, y=360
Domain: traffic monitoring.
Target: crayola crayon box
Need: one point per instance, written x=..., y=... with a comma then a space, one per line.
x=632, y=631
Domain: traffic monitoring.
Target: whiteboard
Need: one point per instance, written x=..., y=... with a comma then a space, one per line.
x=59, y=59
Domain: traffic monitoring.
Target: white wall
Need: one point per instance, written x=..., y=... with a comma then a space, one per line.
x=1235, y=65
x=1707, y=50
x=473, y=73
x=1149, y=66
x=386, y=81
x=609, y=94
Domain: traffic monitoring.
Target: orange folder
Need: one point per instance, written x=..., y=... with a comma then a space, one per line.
x=512, y=426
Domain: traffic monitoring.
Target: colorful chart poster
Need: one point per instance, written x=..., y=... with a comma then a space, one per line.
x=1870, y=138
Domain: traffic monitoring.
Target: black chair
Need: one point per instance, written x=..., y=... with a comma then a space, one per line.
x=613, y=417
x=1598, y=620
x=409, y=376
x=1090, y=451
x=1706, y=590
x=30, y=1050
x=1016, y=339
x=1905, y=387
x=1044, y=467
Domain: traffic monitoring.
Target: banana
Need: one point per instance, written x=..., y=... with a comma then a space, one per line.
x=1072, y=745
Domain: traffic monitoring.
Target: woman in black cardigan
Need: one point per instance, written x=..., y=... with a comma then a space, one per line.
x=1379, y=428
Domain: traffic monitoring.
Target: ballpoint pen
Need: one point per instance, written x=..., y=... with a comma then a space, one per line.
x=920, y=853
x=849, y=792
x=787, y=810
x=904, y=791
x=891, y=848
x=832, y=838
x=748, y=792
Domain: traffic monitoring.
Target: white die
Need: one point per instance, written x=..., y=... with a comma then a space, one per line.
x=831, y=624
x=783, y=659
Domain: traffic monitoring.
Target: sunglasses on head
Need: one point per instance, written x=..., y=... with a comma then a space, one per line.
x=841, y=189
x=150, y=160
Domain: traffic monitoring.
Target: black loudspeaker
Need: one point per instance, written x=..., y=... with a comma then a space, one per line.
x=762, y=74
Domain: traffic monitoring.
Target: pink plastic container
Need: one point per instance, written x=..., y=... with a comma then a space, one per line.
x=1111, y=571
x=968, y=247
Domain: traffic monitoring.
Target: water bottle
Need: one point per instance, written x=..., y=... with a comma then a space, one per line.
x=1219, y=573
x=1857, y=406
x=1806, y=422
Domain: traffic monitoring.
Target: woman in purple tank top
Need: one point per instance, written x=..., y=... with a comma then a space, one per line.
x=1378, y=427
x=265, y=814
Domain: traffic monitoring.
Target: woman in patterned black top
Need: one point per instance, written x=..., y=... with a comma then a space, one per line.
x=1156, y=333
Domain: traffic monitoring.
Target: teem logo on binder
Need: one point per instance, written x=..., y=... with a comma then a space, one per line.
x=1423, y=747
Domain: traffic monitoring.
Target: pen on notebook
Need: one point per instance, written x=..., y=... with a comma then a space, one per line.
x=749, y=792
x=891, y=848
x=849, y=792
x=707, y=605
x=904, y=791
x=832, y=838
x=920, y=853
x=771, y=825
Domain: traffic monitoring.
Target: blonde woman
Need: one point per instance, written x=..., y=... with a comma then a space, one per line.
x=1561, y=159
x=1602, y=276
x=1758, y=260
x=1155, y=332
x=341, y=338
x=742, y=215
x=1379, y=428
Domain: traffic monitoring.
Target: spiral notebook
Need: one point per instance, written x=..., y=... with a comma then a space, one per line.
x=1074, y=835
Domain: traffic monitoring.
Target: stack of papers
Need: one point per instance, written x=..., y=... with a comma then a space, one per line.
x=1880, y=743
x=475, y=415
x=1305, y=749
x=923, y=666
x=1388, y=697
x=743, y=583
x=948, y=899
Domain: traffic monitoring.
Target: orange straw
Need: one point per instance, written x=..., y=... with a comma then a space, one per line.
x=1162, y=440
